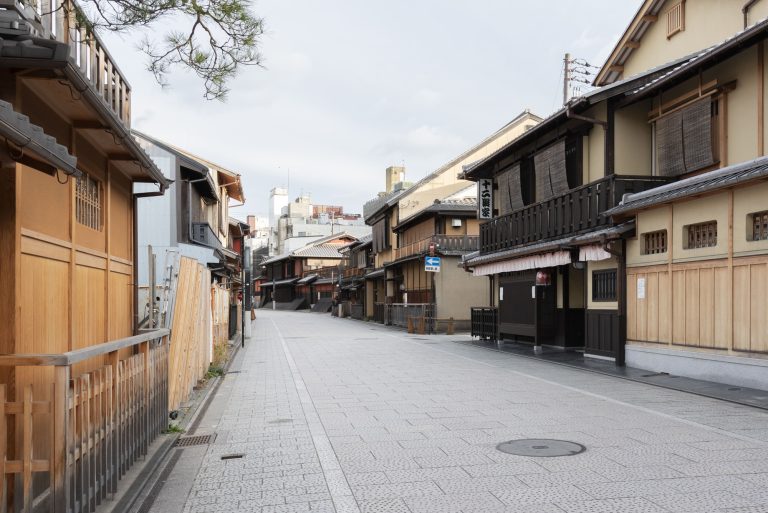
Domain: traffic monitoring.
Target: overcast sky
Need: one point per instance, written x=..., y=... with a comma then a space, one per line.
x=351, y=87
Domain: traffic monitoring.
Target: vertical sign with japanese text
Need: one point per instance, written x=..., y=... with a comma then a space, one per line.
x=485, y=198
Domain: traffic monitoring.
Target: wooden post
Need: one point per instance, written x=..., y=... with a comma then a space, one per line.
x=449, y=329
x=60, y=471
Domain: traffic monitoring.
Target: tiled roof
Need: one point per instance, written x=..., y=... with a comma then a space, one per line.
x=707, y=182
x=736, y=42
x=617, y=88
x=17, y=129
x=321, y=251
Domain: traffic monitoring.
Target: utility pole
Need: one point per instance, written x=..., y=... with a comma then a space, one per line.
x=575, y=73
x=566, y=76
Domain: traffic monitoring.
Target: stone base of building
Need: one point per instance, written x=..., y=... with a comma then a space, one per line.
x=719, y=368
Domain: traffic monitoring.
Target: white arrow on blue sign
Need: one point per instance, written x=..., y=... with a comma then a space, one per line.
x=432, y=264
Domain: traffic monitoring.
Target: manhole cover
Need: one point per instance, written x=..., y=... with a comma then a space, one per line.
x=541, y=447
x=189, y=441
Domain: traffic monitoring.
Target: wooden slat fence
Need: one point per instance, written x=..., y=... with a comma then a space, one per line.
x=96, y=425
x=191, y=340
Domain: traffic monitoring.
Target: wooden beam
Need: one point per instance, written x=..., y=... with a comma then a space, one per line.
x=616, y=68
x=632, y=44
x=88, y=125
x=650, y=18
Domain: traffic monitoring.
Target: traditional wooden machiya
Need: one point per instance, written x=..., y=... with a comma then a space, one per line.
x=82, y=396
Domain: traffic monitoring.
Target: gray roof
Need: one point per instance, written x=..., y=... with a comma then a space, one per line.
x=321, y=251
x=376, y=205
x=690, y=65
x=617, y=88
x=609, y=233
x=705, y=183
x=468, y=205
x=17, y=129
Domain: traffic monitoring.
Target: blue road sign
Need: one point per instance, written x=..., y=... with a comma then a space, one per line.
x=432, y=264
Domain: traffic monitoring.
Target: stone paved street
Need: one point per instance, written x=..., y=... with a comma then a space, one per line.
x=338, y=415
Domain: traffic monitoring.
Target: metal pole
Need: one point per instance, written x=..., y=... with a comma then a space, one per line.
x=244, y=291
x=566, y=76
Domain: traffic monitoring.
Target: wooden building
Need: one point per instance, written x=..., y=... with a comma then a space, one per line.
x=68, y=259
x=356, y=263
x=697, y=263
x=624, y=262
x=399, y=227
x=304, y=277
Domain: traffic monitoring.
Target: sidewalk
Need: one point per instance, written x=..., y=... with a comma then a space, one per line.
x=328, y=415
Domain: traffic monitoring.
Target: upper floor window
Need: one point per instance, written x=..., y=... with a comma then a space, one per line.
x=655, y=243
x=687, y=138
x=701, y=235
x=759, y=222
x=88, y=202
x=604, y=285
x=676, y=19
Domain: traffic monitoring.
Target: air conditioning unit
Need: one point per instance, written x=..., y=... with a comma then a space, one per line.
x=456, y=223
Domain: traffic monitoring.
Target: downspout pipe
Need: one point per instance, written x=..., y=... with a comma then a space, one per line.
x=745, y=11
x=572, y=115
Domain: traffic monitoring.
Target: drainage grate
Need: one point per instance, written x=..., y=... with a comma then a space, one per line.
x=232, y=456
x=190, y=441
x=541, y=447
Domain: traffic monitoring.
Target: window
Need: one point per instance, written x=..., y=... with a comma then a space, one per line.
x=676, y=19
x=687, y=138
x=655, y=242
x=88, y=202
x=759, y=222
x=604, y=285
x=701, y=235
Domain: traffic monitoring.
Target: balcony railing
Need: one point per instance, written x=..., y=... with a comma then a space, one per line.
x=323, y=273
x=443, y=243
x=576, y=211
x=64, y=21
x=202, y=233
x=80, y=435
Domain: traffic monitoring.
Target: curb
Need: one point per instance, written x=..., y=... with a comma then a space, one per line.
x=142, y=487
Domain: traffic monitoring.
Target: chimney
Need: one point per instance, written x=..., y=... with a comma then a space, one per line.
x=395, y=174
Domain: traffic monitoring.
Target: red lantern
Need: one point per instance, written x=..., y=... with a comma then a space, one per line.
x=543, y=278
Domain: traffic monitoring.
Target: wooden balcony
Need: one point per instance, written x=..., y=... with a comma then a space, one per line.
x=443, y=243
x=63, y=21
x=579, y=210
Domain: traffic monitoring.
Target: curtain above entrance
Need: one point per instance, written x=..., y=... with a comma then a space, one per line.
x=593, y=253
x=552, y=259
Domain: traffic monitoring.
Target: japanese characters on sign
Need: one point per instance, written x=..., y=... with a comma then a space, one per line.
x=485, y=198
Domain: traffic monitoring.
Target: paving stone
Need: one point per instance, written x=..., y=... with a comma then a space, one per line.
x=378, y=421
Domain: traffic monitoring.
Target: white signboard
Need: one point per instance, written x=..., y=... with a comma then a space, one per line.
x=432, y=264
x=485, y=198
x=501, y=293
x=641, y=288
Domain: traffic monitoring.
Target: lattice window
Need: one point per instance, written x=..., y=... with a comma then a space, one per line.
x=604, y=285
x=655, y=242
x=676, y=19
x=759, y=225
x=701, y=235
x=88, y=202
